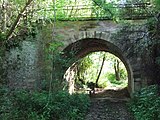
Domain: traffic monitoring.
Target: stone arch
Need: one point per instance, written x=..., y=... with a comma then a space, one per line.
x=91, y=41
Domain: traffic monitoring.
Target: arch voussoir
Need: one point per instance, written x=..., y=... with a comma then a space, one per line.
x=81, y=35
x=90, y=34
x=98, y=34
x=105, y=35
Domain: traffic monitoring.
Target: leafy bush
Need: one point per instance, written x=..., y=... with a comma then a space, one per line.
x=111, y=77
x=146, y=104
x=26, y=105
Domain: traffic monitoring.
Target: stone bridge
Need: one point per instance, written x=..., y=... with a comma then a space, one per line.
x=88, y=41
x=110, y=37
x=82, y=38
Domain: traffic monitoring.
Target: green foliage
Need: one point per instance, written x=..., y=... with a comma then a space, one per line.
x=44, y=11
x=103, y=83
x=60, y=4
x=103, y=9
x=55, y=45
x=157, y=4
x=89, y=65
x=123, y=74
x=146, y=104
x=84, y=64
x=58, y=62
x=2, y=36
x=26, y=105
x=112, y=78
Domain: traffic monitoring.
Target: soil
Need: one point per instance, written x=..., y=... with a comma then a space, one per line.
x=109, y=105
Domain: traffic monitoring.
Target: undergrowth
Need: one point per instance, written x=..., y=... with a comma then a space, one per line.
x=146, y=104
x=27, y=105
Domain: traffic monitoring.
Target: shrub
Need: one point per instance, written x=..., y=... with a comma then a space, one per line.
x=111, y=77
x=26, y=105
x=146, y=104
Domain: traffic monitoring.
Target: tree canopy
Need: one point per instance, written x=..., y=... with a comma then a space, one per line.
x=19, y=16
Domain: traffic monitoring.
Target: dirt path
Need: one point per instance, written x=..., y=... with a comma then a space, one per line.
x=109, y=107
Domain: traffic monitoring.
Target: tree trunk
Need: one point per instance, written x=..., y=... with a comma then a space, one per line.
x=100, y=71
x=116, y=69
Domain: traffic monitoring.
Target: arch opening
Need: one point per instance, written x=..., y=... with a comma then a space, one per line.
x=84, y=47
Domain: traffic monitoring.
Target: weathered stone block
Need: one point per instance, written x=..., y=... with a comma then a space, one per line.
x=137, y=86
x=105, y=36
x=82, y=35
x=89, y=34
x=98, y=35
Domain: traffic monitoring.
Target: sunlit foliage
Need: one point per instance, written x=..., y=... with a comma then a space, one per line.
x=42, y=11
x=89, y=66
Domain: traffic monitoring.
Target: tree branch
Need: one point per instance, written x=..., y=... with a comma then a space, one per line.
x=100, y=5
x=8, y=36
